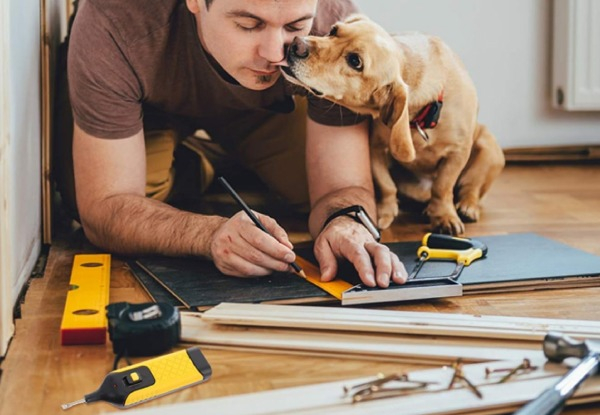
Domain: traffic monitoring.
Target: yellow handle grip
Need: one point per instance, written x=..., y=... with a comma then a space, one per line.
x=464, y=257
x=170, y=372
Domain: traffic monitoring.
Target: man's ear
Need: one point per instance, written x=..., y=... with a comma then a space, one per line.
x=193, y=6
x=392, y=101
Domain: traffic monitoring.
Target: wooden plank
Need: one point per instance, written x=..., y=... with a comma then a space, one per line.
x=426, y=349
x=330, y=398
x=401, y=322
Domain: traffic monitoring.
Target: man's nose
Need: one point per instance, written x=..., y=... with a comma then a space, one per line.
x=298, y=48
x=272, y=46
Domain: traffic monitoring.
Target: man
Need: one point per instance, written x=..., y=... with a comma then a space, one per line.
x=213, y=64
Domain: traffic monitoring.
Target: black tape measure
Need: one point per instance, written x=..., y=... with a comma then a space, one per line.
x=145, y=329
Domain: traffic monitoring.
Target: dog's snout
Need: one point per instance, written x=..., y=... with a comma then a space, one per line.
x=298, y=48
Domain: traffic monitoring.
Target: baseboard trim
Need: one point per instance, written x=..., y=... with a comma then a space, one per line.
x=553, y=153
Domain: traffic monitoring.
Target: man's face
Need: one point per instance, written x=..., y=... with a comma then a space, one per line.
x=247, y=37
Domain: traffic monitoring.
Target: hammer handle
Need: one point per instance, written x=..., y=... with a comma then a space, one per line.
x=553, y=399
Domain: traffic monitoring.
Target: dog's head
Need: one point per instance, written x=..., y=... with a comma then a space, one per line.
x=357, y=66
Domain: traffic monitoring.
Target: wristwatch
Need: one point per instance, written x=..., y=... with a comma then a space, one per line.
x=360, y=215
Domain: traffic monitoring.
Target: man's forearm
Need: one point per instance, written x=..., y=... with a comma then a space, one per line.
x=130, y=224
x=339, y=199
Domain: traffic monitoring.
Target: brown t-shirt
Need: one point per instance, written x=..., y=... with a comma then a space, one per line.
x=135, y=64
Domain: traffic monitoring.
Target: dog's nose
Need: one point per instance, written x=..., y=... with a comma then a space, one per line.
x=298, y=48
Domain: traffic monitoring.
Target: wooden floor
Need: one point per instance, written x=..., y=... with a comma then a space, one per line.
x=561, y=202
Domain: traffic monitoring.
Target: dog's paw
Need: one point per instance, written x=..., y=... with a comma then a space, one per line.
x=448, y=224
x=386, y=213
x=468, y=211
x=444, y=218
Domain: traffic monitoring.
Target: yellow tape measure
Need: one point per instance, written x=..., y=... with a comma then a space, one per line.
x=84, y=319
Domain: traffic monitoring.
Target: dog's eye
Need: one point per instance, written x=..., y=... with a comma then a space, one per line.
x=354, y=61
x=333, y=31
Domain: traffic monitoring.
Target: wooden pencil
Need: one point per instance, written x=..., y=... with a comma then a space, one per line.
x=253, y=217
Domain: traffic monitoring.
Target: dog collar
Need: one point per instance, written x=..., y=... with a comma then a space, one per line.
x=428, y=116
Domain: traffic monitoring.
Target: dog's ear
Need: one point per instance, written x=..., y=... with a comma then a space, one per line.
x=355, y=17
x=392, y=101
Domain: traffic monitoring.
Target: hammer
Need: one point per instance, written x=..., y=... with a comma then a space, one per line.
x=558, y=347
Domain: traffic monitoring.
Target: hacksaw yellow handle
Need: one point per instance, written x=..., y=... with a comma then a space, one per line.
x=461, y=250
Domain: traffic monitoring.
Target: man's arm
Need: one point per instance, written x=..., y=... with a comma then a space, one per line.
x=339, y=175
x=110, y=179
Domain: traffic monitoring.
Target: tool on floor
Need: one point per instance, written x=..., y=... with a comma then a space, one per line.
x=146, y=329
x=84, y=321
x=557, y=348
x=433, y=247
x=147, y=380
x=443, y=247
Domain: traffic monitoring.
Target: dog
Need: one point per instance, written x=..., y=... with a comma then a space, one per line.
x=424, y=106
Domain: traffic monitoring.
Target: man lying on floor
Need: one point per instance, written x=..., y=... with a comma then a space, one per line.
x=144, y=76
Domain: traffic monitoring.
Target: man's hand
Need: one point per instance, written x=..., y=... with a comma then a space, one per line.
x=239, y=248
x=345, y=238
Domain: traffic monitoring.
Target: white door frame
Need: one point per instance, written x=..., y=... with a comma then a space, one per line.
x=6, y=300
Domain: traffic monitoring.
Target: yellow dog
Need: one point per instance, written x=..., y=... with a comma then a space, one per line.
x=441, y=151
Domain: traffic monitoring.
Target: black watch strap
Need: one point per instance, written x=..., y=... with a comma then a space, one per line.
x=360, y=215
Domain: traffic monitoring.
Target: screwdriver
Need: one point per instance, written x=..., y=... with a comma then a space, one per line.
x=438, y=246
x=150, y=379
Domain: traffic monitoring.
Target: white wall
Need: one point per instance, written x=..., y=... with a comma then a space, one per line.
x=506, y=46
x=6, y=326
x=20, y=144
x=25, y=128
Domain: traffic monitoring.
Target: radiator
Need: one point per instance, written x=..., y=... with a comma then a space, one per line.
x=576, y=55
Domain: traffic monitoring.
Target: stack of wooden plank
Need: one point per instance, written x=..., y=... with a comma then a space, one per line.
x=414, y=337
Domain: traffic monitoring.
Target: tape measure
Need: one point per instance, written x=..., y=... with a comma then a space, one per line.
x=84, y=321
x=145, y=329
x=141, y=382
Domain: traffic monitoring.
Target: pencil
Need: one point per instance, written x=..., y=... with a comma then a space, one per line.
x=252, y=216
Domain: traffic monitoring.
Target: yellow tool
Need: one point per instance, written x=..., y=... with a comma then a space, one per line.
x=84, y=320
x=434, y=246
x=141, y=382
x=313, y=275
x=437, y=246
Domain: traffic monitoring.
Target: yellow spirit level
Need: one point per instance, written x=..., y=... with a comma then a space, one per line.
x=84, y=320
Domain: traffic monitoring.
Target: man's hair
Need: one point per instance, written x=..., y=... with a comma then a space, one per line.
x=208, y=3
